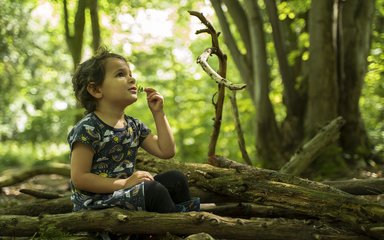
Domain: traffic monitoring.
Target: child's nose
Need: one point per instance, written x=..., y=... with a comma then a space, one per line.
x=131, y=80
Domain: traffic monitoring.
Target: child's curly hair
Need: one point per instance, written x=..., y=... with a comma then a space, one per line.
x=91, y=71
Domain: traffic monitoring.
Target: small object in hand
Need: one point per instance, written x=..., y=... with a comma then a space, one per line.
x=140, y=89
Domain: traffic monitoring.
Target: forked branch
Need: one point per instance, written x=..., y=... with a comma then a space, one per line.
x=202, y=60
x=218, y=76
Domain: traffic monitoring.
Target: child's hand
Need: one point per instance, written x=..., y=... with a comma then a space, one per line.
x=155, y=100
x=138, y=177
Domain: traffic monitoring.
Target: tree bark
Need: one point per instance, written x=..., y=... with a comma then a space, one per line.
x=322, y=84
x=268, y=142
x=355, y=40
x=138, y=222
x=373, y=186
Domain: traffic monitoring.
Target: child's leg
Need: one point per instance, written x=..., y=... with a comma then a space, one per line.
x=157, y=198
x=176, y=183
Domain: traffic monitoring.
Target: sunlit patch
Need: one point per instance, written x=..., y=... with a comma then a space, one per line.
x=60, y=105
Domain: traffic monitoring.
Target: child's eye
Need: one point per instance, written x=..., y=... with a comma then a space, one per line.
x=120, y=74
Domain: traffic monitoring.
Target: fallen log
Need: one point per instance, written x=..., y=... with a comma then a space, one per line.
x=138, y=222
x=247, y=184
x=352, y=186
x=372, y=186
x=9, y=178
x=38, y=207
x=252, y=210
x=305, y=155
x=266, y=187
x=239, y=210
x=272, y=188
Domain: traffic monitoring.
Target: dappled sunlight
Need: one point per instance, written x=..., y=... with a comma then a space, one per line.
x=44, y=14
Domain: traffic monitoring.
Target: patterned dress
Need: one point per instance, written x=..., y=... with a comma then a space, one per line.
x=115, y=157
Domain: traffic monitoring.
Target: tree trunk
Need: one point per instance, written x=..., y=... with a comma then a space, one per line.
x=268, y=142
x=339, y=33
x=354, y=45
x=75, y=40
x=322, y=85
x=94, y=12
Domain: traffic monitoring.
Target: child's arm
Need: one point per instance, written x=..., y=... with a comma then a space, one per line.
x=161, y=145
x=83, y=179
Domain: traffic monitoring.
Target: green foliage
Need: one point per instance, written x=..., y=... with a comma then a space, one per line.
x=36, y=68
x=371, y=101
x=15, y=155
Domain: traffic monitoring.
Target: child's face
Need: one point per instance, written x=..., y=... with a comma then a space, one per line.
x=119, y=87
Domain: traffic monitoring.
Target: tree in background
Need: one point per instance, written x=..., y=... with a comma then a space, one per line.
x=158, y=37
x=321, y=48
x=76, y=39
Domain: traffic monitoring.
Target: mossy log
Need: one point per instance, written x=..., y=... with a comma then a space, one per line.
x=271, y=188
x=139, y=222
x=239, y=183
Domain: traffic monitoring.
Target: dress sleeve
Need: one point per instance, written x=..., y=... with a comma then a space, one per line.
x=85, y=132
x=144, y=132
x=141, y=129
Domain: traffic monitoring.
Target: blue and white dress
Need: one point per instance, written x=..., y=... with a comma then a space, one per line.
x=115, y=157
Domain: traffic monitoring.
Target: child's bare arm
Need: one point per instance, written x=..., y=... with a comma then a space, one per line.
x=161, y=145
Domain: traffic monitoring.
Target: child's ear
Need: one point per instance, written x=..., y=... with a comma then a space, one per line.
x=94, y=90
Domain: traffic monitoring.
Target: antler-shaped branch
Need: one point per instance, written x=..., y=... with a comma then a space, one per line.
x=221, y=73
x=202, y=60
x=210, y=30
x=218, y=76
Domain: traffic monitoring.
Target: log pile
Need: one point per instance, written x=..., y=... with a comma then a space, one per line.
x=239, y=202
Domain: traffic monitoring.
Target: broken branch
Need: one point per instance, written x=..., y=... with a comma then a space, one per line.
x=202, y=60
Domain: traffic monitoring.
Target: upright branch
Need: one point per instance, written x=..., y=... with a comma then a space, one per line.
x=215, y=49
x=218, y=76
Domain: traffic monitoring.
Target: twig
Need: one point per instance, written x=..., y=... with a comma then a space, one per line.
x=239, y=131
x=40, y=194
x=202, y=60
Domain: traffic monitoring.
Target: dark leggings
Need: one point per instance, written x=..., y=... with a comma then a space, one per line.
x=168, y=189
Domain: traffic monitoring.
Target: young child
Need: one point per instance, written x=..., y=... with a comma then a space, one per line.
x=105, y=142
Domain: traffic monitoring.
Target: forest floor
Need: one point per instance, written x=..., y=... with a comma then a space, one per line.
x=11, y=195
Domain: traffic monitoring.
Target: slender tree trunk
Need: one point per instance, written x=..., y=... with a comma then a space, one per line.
x=355, y=26
x=75, y=40
x=94, y=12
x=268, y=143
x=322, y=85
